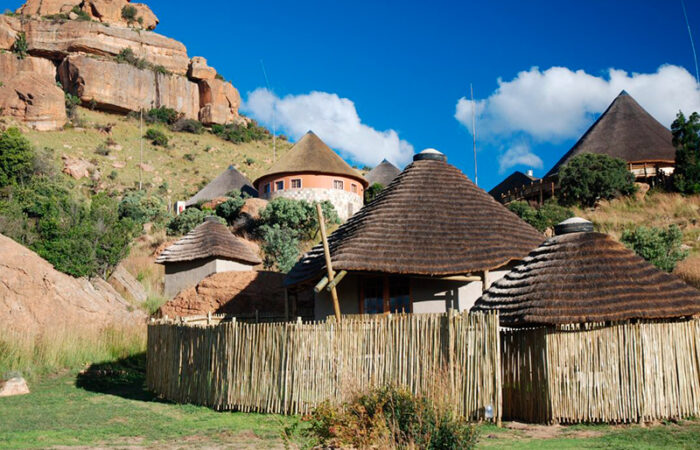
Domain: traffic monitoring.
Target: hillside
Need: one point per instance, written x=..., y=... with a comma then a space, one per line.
x=190, y=160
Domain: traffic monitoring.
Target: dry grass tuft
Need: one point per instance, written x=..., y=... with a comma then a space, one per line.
x=689, y=271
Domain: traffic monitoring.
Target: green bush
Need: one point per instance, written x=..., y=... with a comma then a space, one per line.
x=299, y=216
x=129, y=13
x=686, y=139
x=72, y=103
x=548, y=215
x=187, y=220
x=188, y=126
x=20, y=47
x=241, y=133
x=280, y=247
x=660, y=247
x=389, y=417
x=82, y=15
x=127, y=56
x=161, y=70
x=17, y=157
x=163, y=115
x=230, y=209
x=372, y=191
x=157, y=137
x=590, y=177
x=143, y=208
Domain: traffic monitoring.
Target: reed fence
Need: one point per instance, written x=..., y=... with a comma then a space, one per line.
x=626, y=372
x=291, y=367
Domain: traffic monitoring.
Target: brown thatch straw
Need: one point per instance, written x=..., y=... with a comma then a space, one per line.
x=431, y=220
x=229, y=180
x=209, y=239
x=383, y=174
x=587, y=277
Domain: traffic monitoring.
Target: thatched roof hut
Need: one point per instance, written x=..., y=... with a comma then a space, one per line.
x=209, y=248
x=231, y=179
x=515, y=180
x=580, y=276
x=626, y=131
x=383, y=174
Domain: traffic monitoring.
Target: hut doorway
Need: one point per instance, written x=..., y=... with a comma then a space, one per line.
x=384, y=294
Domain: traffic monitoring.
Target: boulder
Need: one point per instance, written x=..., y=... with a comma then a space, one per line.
x=147, y=19
x=106, y=11
x=13, y=386
x=127, y=285
x=219, y=102
x=122, y=87
x=253, y=206
x=9, y=27
x=642, y=189
x=47, y=7
x=34, y=297
x=77, y=167
x=199, y=70
x=56, y=40
x=29, y=92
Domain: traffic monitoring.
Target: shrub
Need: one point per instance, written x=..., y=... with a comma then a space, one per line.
x=16, y=157
x=280, y=246
x=162, y=114
x=686, y=139
x=127, y=56
x=188, y=126
x=20, y=47
x=187, y=221
x=82, y=15
x=157, y=137
x=548, y=215
x=189, y=156
x=372, y=191
x=389, y=417
x=102, y=150
x=230, y=209
x=142, y=208
x=241, y=133
x=218, y=76
x=129, y=13
x=113, y=175
x=72, y=103
x=590, y=177
x=161, y=70
x=298, y=216
x=658, y=246
x=249, y=161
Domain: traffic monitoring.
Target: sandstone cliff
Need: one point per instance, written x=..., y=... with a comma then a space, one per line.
x=82, y=55
x=34, y=296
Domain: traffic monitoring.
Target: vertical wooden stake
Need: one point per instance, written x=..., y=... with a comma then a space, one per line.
x=329, y=267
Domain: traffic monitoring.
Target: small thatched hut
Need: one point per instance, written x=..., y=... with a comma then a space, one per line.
x=383, y=174
x=514, y=181
x=426, y=243
x=208, y=249
x=596, y=334
x=230, y=180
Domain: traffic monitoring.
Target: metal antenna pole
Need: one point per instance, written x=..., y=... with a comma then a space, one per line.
x=476, y=176
x=692, y=44
x=274, y=128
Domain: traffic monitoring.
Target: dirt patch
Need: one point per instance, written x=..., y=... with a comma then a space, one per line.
x=532, y=431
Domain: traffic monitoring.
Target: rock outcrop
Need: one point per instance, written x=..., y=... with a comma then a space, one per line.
x=13, y=386
x=34, y=296
x=126, y=88
x=127, y=285
x=158, y=73
x=29, y=92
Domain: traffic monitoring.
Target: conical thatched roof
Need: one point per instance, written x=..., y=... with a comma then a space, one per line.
x=515, y=180
x=626, y=131
x=228, y=181
x=209, y=239
x=431, y=220
x=585, y=277
x=311, y=155
x=383, y=174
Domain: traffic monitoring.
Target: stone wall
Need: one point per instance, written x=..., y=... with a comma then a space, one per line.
x=346, y=203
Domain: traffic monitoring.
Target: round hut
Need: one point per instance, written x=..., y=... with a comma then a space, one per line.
x=426, y=243
x=231, y=179
x=208, y=249
x=312, y=171
x=595, y=334
x=383, y=174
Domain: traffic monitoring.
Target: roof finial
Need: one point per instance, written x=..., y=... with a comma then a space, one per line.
x=431, y=154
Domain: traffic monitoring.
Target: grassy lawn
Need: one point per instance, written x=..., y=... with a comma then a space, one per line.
x=107, y=406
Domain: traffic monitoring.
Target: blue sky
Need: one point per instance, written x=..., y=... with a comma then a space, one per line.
x=387, y=76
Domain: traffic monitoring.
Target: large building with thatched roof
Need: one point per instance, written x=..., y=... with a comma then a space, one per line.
x=580, y=276
x=383, y=174
x=312, y=171
x=426, y=243
x=208, y=249
x=231, y=179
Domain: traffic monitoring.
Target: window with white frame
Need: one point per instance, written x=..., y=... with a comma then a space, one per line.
x=337, y=184
x=296, y=183
x=279, y=185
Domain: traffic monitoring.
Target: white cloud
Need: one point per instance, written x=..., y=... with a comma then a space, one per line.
x=333, y=119
x=559, y=103
x=518, y=155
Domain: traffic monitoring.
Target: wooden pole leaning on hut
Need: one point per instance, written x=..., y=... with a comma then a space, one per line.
x=329, y=267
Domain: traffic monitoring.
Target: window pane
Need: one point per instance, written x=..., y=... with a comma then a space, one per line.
x=267, y=188
x=374, y=296
x=399, y=299
x=279, y=185
x=337, y=184
x=296, y=183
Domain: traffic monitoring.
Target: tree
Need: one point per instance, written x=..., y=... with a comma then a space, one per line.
x=142, y=208
x=230, y=209
x=280, y=246
x=187, y=220
x=16, y=157
x=548, y=215
x=298, y=216
x=372, y=191
x=686, y=139
x=590, y=177
x=660, y=247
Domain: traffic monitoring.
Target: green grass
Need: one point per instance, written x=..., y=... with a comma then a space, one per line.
x=107, y=405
